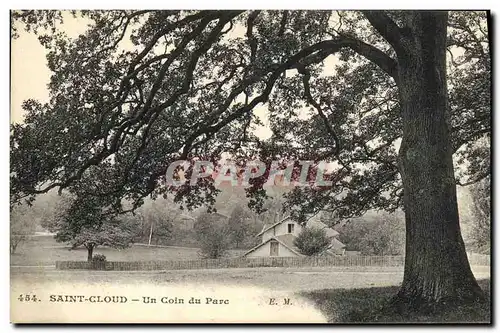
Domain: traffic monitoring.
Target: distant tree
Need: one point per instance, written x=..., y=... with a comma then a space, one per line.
x=329, y=218
x=47, y=206
x=312, y=241
x=274, y=207
x=85, y=223
x=21, y=226
x=239, y=225
x=213, y=235
x=382, y=234
x=480, y=233
x=244, y=223
x=157, y=219
x=163, y=229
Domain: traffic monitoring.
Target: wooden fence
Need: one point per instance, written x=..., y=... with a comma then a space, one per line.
x=242, y=262
x=235, y=263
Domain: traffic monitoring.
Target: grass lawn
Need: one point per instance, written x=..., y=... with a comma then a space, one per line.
x=44, y=250
x=370, y=305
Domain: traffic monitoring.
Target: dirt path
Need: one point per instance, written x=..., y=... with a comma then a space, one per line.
x=285, y=279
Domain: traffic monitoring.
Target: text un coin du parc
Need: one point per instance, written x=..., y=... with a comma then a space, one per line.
x=143, y=299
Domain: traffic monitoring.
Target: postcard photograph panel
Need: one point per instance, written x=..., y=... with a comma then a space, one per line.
x=250, y=166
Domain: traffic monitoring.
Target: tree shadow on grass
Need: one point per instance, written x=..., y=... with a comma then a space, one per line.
x=371, y=305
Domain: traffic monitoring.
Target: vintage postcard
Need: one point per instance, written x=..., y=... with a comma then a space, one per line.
x=250, y=166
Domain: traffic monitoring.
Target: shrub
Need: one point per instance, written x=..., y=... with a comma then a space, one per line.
x=99, y=258
x=312, y=241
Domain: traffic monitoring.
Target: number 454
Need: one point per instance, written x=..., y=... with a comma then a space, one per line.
x=27, y=298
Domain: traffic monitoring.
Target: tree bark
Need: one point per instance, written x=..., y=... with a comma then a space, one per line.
x=436, y=264
x=90, y=250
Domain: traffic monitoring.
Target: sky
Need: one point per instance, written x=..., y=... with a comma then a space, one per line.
x=29, y=72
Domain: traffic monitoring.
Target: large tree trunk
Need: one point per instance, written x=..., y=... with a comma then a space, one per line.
x=436, y=264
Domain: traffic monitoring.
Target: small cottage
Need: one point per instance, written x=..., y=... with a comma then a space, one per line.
x=278, y=239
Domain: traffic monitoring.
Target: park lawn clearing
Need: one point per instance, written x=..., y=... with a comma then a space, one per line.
x=44, y=250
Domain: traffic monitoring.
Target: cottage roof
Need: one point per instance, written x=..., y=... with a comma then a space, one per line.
x=336, y=244
x=286, y=240
x=318, y=224
x=269, y=226
x=311, y=223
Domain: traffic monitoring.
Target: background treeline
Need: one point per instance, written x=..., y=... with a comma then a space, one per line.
x=235, y=226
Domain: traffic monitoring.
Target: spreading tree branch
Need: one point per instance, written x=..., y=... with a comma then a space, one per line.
x=371, y=53
x=386, y=27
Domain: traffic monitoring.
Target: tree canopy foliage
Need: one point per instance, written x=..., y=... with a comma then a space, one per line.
x=141, y=89
x=82, y=221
